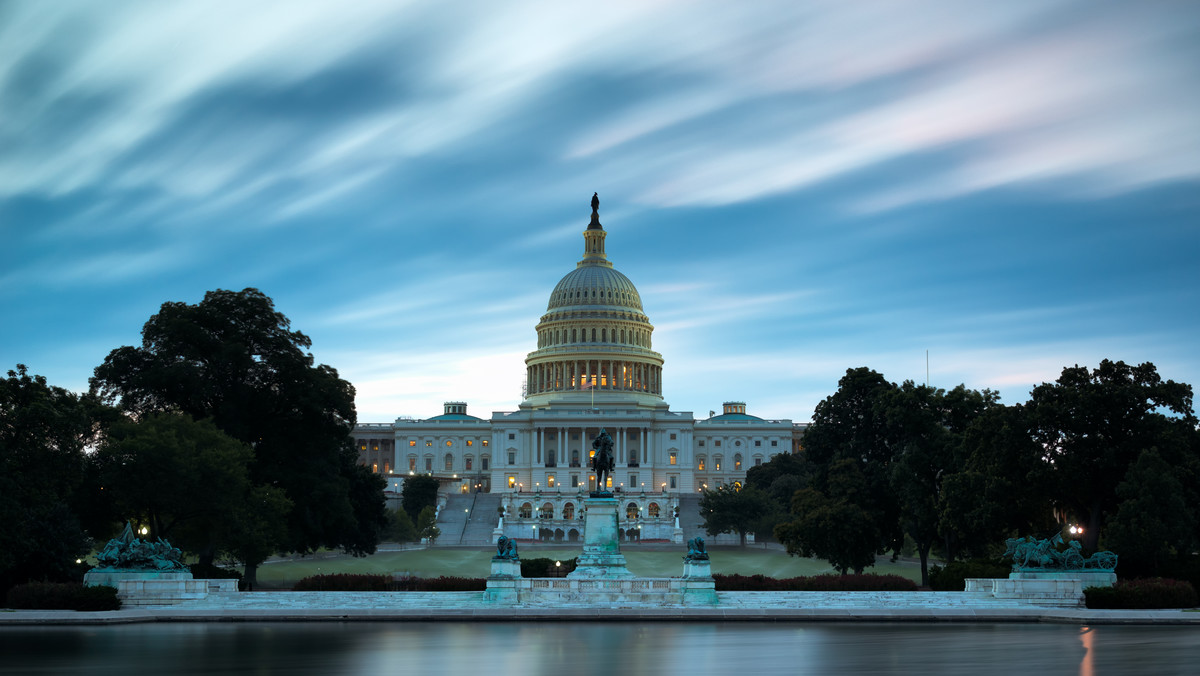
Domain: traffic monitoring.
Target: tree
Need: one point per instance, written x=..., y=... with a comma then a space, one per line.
x=1154, y=524
x=234, y=359
x=43, y=433
x=833, y=525
x=190, y=482
x=400, y=527
x=417, y=493
x=731, y=509
x=851, y=424
x=427, y=525
x=1093, y=425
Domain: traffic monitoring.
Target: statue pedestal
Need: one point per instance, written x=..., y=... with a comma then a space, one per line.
x=113, y=577
x=601, y=557
x=1087, y=578
x=504, y=584
x=693, y=569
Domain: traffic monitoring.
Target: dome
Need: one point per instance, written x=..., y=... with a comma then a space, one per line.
x=595, y=286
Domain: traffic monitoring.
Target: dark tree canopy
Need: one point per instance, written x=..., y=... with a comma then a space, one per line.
x=43, y=433
x=234, y=359
x=1093, y=426
x=418, y=492
x=729, y=509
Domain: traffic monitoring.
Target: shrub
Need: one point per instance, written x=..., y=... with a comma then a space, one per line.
x=1153, y=592
x=63, y=596
x=815, y=583
x=546, y=568
x=342, y=582
x=953, y=577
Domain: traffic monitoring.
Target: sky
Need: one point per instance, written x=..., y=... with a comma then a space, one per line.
x=959, y=192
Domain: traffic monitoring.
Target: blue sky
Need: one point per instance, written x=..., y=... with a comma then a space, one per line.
x=796, y=188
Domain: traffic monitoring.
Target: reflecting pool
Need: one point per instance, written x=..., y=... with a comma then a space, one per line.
x=577, y=648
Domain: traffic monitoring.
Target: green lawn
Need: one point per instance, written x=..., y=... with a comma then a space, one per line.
x=476, y=563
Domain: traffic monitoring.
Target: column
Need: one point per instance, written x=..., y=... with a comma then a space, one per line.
x=538, y=443
x=643, y=444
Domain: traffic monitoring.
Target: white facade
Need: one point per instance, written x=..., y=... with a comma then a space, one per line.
x=593, y=369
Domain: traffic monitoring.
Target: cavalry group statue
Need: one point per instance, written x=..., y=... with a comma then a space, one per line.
x=603, y=462
x=128, y=552
x=1055, y=554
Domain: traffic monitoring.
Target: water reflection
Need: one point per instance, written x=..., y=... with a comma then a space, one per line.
x=558, y=649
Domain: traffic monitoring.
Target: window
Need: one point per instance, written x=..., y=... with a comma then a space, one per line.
x=672, y=436
x=362, y=447
x=449, y=462
x=449, y=443
x=525, y=511
x=738, y=442
x=485, y=443
x=511, y=436
x=632, y=481
x=652, y=510
x=412, y=463
x=483, y=463
x=428, y=464
x=717, y=463
x=673, y=482
x=717, y=443
x=737, y=461
x=575, y=437
x=428, y=444
x=547, y=511
x=550, y=481
x=376, y=447
x=569, y=509
x=467, y=462
x=757, y=460
x=512, y=458
x=470, y=443
x=701, y=443
x=700, y=463
x=575, y=458
x=412, y=442
x=672, y=458
x=375, y=467
x=512, y=482
x=758, y=442
x=631, y=511
x=574, y=481
x=774, y=442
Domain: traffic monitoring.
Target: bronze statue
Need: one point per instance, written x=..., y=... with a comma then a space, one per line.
x=595, y=202
x=696, y=551
x=506, y=548
x=602, y=462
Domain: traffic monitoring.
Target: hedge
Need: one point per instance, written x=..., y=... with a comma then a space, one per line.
x=823, y=583
x=953, y=577
x=62, y=596
x=342, y=582
x=1152, y=592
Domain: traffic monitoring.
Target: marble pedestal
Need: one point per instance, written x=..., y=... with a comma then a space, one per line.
x=601, y=557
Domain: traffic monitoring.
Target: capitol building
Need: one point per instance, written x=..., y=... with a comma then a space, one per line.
x=594, y=368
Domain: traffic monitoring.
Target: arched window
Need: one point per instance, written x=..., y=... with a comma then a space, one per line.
x=547, y=511
x=700, y=463
x=631, y=510
x=568, y=511
x=652, y=510
x=412, y=463
x=449, y=461
x=737, y=461
x=717, y=463
x=526, y=511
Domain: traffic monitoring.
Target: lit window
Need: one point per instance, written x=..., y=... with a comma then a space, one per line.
x=700, y=464
x=673, y=458
x=485, y=442
x=376, y=447
x=412, y=464
x=737, y=462
x=449, y=443
x=428, y=444
x=412, y=443
x=467, y=463
x=512, y=482
x=652, y=510
x=550, y=481
x=375, y=467
x=470, y=443
x=362, y=447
